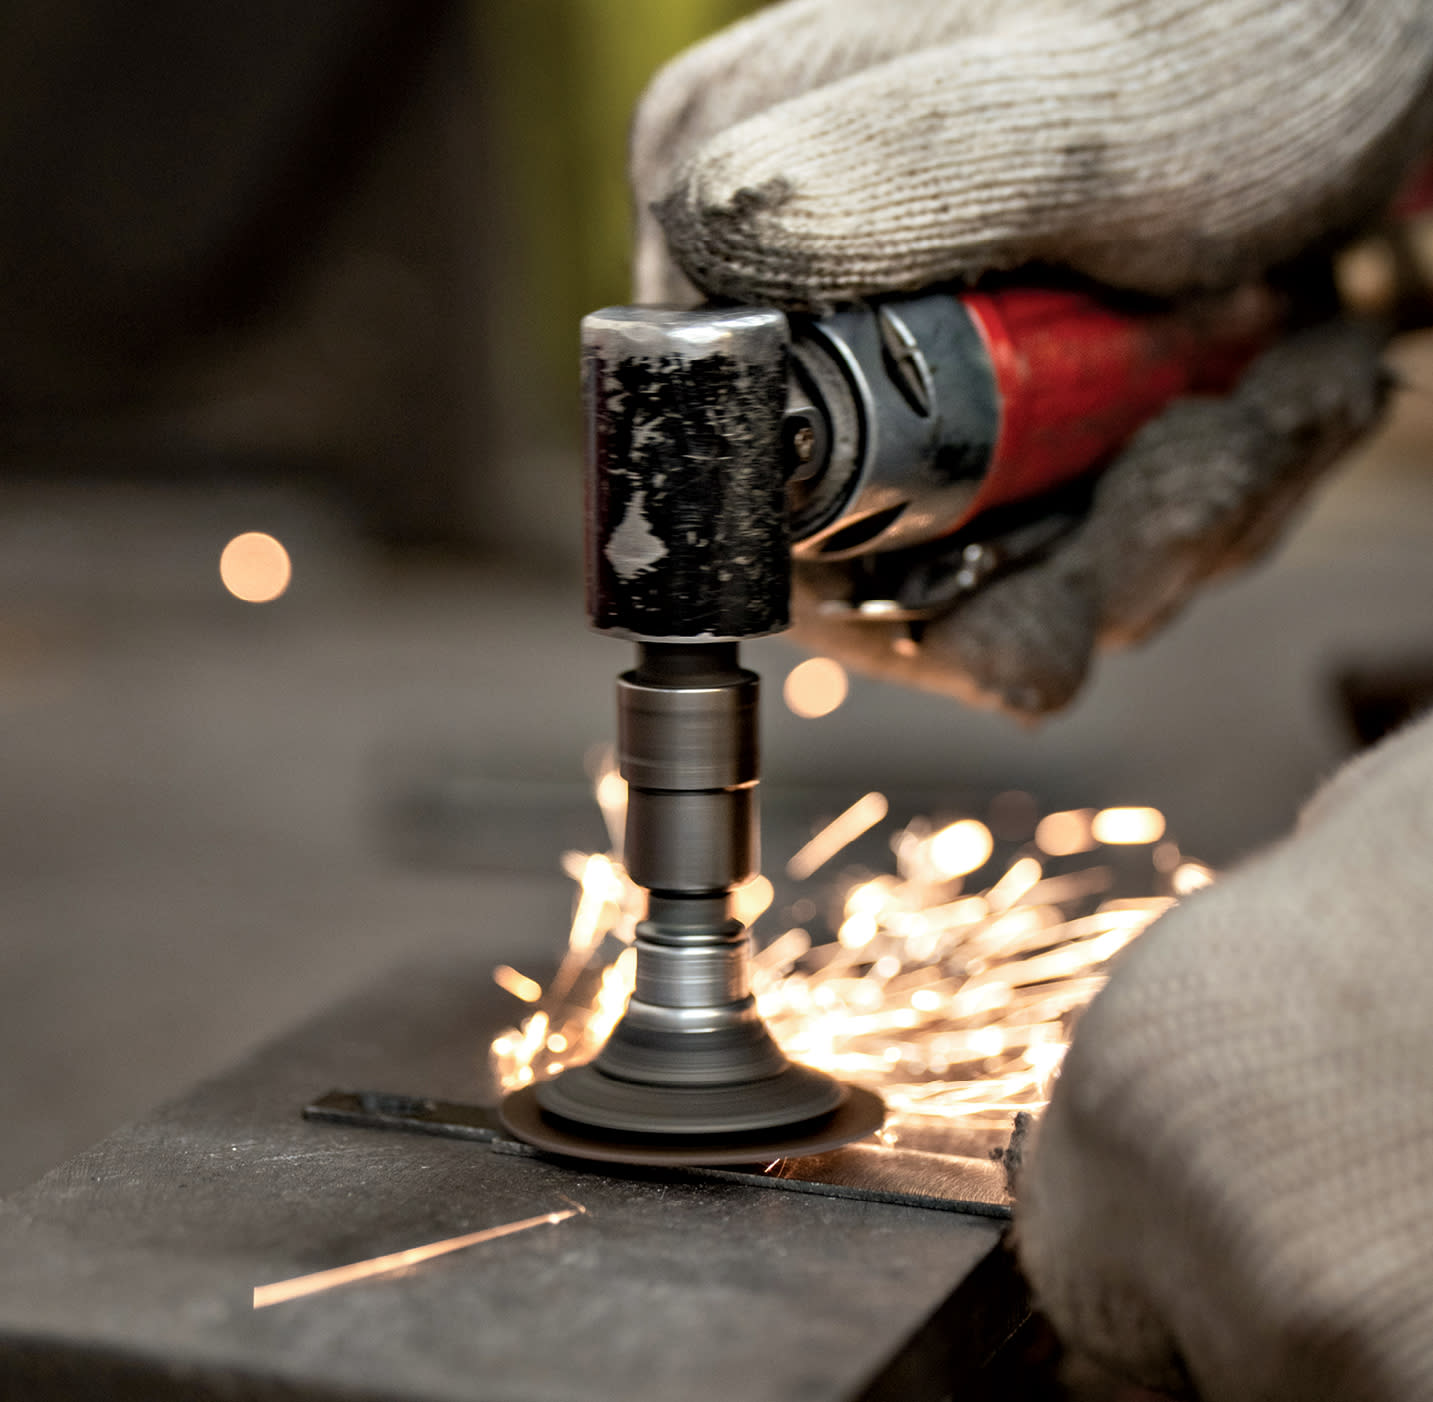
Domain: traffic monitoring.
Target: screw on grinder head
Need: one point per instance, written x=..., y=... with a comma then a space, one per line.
x=688, y=553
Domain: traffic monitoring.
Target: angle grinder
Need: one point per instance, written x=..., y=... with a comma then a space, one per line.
x=721, y=441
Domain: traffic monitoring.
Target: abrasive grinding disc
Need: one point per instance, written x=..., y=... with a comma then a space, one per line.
x=860, y=1113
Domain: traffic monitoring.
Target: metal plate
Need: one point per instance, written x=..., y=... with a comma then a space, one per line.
x=864, y=1171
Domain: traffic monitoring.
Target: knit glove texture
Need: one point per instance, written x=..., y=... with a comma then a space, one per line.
x=825, y=150
x=1232, y=1188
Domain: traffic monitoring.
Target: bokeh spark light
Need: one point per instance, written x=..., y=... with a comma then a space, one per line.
x=959, y=849
x=815, y=687
x=1126, y=826
x=255, y=567
x=1064, y=834
x=955, y=1004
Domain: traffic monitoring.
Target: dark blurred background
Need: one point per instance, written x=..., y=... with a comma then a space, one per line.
x=315, y=271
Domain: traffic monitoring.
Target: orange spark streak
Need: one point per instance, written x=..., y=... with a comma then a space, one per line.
x=281, y=1291
x=840, y=832
x=528, y=990
x=956, y=1006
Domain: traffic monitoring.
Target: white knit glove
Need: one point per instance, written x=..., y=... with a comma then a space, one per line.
x=828, y=149
x=1233, y=1185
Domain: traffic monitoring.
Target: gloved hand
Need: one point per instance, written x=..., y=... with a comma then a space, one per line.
x=830, y=149
x=1233, y=1185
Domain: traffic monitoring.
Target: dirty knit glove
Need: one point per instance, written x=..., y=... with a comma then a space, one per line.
x=830, y=149
x=1233, y=1185
x=1198, y=491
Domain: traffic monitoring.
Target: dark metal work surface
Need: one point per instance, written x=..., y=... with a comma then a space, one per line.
x=128, y=1272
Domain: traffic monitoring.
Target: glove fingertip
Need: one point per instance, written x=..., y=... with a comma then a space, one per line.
x=1027, y=641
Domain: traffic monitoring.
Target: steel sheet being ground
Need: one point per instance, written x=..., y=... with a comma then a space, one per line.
x=868, y=1171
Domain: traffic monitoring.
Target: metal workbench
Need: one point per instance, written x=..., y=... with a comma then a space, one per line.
x=128, y=1272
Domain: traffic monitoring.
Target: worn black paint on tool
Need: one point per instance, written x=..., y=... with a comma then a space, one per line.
x=687, y=535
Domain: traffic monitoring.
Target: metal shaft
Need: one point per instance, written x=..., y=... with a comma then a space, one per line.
x=687, y=746
x=691, y=1055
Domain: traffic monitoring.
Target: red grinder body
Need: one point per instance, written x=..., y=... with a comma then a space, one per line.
x=938, y=408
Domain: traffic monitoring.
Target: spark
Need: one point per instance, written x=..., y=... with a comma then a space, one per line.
x=612, y=801
x=1166, y=856
x=1127, y=826
x=255, y=567
x=858, y=930
x=1066, y=833
x=1017, y=883
x=961, y=848
x=750, y=900
x=282, y=1291
x=840, y=832
x=957, y=1006
x=815, y=687
x=529, y=990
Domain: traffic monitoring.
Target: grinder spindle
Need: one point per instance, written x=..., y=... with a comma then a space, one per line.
x=688, y=552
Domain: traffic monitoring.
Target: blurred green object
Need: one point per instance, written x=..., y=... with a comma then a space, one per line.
x=561, y=78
